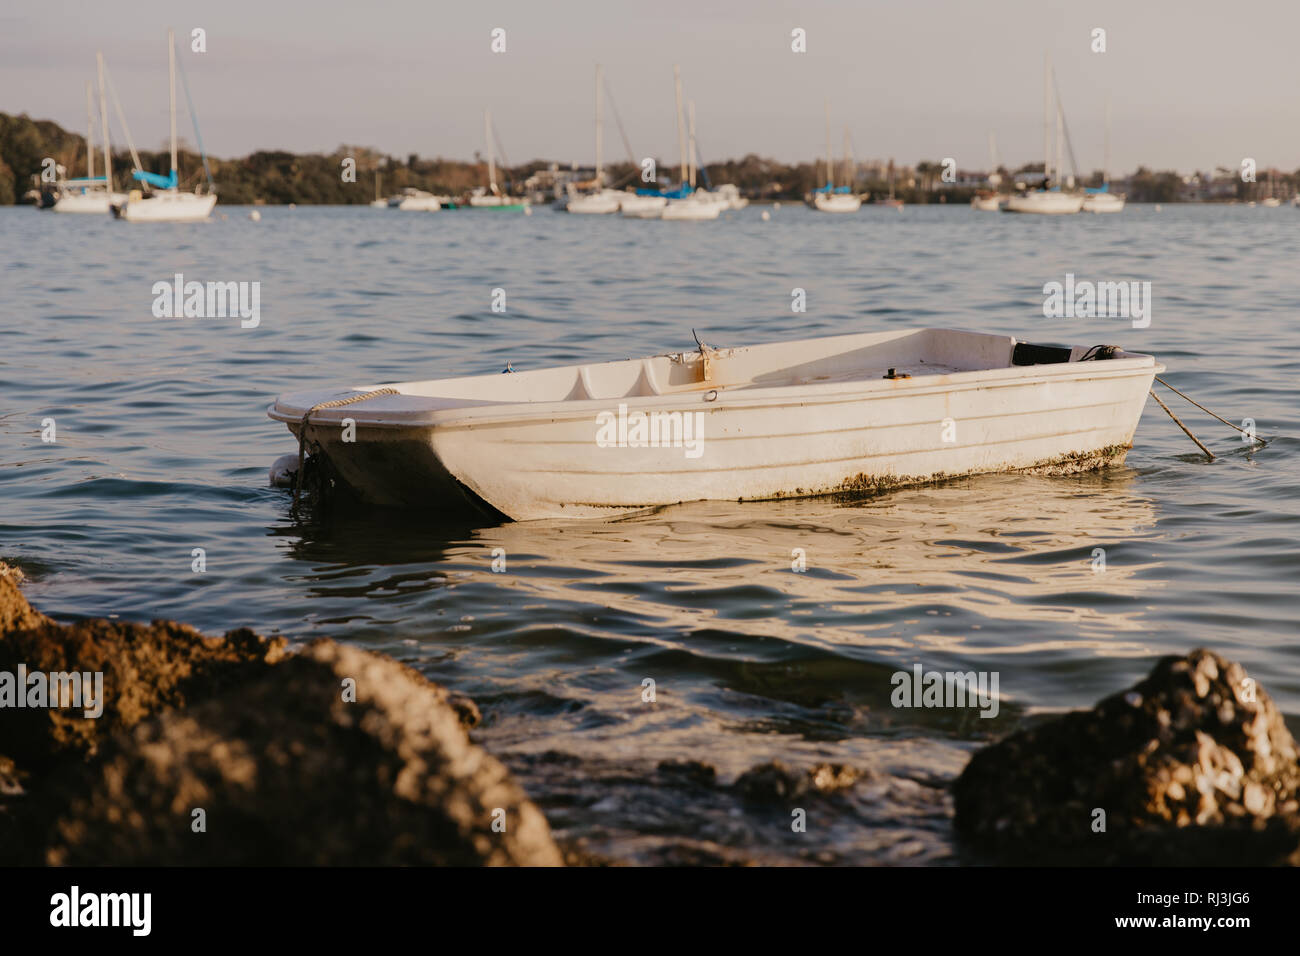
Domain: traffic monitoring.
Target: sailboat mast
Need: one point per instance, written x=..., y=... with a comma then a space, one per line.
x=848, y=162
x=830, y=173
x=492, y=162
x=600, y=132
x=1105, y=172
x=1060, y=127
x=681, y=129
x=103, y=117
x=171, y=63
x=90, y=137
x=1047, y=118
x=694, y=159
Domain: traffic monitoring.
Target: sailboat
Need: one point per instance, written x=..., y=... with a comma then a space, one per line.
x=1049, y=200
x=602, y=201
x=651, y=203
x=92, y=195
x=165, y=201
x=378, y=202
x=492, y=197
x=1102, y=199
x=698, y=205
x=829, y=198
x=990, y=200
x=891, y=201
x=1271, y=201
x=417, y=200
x=685, y=203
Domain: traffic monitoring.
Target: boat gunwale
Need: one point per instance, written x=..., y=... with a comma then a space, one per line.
x=728, y=397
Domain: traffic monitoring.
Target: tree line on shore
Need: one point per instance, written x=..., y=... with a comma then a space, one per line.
x=279, y=177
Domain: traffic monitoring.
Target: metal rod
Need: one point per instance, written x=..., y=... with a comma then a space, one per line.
x=1207, y=411
x=1209, y=454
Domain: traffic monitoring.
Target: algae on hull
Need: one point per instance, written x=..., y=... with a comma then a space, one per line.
x=1071, y=463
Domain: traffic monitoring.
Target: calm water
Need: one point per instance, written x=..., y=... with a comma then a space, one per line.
x=163, y=446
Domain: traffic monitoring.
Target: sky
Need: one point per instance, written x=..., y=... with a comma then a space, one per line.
x=1193, y=84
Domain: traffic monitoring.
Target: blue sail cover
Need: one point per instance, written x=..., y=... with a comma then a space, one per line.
x=153, y=179
x=681, y=192
x=828, y=188
x=1097, y=189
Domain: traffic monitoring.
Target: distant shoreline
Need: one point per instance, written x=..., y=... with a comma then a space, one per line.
x=357, y=175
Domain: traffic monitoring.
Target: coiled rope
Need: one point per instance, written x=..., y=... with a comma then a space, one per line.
x=302, y=429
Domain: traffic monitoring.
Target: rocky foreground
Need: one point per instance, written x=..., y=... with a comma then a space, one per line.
x=1192, y=766
x=229, y=751
x=233, y=751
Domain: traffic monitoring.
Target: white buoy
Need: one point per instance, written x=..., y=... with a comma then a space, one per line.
x=1157, y=207
x=776, y=205
x=284, y=471
x=766, y=215
x=255, y=216
x=293, y=205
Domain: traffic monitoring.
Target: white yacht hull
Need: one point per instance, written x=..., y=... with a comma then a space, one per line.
x=1044, y=203
x=497, y=202
x=420, y=204
x=1103, y=202
x=167, y=207
x=603, y=203
x=836, y=202
x=642, y=207
x=691, y=210
x=89, y=203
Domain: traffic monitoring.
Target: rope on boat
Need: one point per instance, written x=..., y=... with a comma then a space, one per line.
x=1208, y=412
x=336, y=403
x=1208, y=454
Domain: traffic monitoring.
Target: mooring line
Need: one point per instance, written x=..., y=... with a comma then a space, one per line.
x=1208, y=412
x=302, y=429
x=1209, y=454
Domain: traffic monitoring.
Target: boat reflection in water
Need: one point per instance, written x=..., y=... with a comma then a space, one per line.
x=747, y=660
x=1010, y=555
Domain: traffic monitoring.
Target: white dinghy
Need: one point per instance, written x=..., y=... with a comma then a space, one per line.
x=844, y=414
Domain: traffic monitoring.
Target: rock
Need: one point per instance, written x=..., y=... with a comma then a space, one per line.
x=15, y=612
x=776, y=783
x=1192, y=766
x=146, y=670
x=692, y=771
x=285, y=770
x=289, y=773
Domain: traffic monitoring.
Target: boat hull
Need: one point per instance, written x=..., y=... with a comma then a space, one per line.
x=836, y=202
x=420, y=204
x=167, y=207
x=691, y=210
x=497, y=202
x=752, y=443
x=643, y=207
x=89, y=203
x=1103, y=203
x=595, y=204
x=1044, y=203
